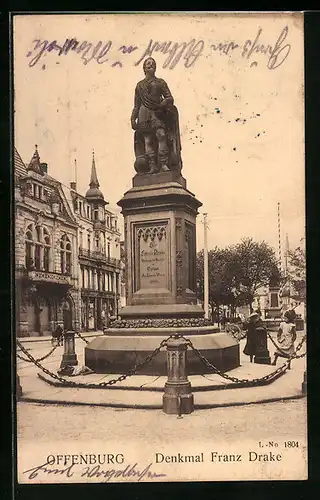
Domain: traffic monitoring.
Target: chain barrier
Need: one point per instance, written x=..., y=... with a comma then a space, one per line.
x=102, y=385
x=39, y=359
x=244, y=382
x=294, y=355
x=81, y=337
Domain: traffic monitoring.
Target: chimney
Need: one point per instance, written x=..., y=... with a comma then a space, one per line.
x=44, y=168
x=73, y=186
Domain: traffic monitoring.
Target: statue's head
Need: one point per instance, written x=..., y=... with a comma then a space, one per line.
x=149, y=66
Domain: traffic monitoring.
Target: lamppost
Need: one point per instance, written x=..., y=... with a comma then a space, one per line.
x=205, y=266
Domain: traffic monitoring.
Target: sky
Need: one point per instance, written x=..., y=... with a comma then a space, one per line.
x=239, y=91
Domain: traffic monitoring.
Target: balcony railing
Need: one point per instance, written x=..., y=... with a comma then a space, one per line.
x=99, y=256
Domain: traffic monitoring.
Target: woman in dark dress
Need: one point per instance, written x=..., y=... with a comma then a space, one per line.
x=254, y=322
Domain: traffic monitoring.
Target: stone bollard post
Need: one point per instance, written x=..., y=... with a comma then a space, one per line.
x=18, y=388
x=262, y=356
x=304, y=383
x=177, y=398
x=69, y=357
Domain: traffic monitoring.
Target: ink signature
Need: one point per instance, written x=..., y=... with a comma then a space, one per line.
x=276, y=53
x=129, y=471
x=189, y=50
x=186, y=52
x=87, y=50
x=34, y=471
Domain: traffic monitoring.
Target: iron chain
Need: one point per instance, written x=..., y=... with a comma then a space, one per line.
x=82, y=338
x=294, y=355
x=102, y=385
x=39, y=359
x=244, y=382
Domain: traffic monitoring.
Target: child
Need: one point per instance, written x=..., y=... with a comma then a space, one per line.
x=286, y=337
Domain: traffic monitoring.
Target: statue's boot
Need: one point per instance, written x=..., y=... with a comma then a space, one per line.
x=152, y=163
x=153, y=169
x=164, y=168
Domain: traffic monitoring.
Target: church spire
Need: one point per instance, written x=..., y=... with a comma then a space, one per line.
x=94, y=183
x=94, y=193
x=34, y=164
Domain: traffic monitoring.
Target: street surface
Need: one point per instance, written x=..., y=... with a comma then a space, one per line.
x=38, y=422
x=142, y=435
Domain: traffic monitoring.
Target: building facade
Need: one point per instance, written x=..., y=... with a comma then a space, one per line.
x=98, y=255
x=67, y=253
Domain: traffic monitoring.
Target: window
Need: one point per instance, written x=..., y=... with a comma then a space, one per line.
x=96, y=212
x=29, y=248
x=108, y=249
x=37, y=248
x=81, y=239
x=82, y=277
x=89, y=242
x=80, y=207
x=37, y=253
x=65, y=255
x=88, y=212
x=46, y=250
x=97, y=242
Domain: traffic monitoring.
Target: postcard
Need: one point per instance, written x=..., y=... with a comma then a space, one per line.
x=158, y=163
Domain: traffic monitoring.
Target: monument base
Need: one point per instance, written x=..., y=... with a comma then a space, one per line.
x=178, y=399
x=119, y=350
x=69, y=360
x=263, y=358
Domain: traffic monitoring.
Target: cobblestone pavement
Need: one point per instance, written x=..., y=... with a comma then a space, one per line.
x=39, y=423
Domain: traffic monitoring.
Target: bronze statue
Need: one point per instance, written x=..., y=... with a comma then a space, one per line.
x=155, y=121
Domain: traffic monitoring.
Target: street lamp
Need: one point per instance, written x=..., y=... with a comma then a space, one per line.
x=205, y=267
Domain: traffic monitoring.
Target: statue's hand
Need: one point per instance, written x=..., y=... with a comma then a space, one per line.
x=133, y=124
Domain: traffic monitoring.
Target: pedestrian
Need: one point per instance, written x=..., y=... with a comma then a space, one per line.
x=223, y=321
x=58, y=335
x=286, y=337
x=252, y=325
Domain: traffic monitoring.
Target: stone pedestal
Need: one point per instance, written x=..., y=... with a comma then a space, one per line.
x=160, y=247
x=69, y=357
x=177, y=398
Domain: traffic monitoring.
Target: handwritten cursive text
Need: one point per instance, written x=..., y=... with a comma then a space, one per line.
x=134, y=471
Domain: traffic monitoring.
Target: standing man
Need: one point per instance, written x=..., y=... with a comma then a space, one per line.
x=154, y=118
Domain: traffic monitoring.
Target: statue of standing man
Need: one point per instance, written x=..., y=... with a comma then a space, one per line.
x=155, y=121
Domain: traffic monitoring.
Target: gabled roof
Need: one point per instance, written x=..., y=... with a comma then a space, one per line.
x=19, y=167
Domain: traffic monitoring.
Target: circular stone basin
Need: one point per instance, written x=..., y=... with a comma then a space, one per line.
x=119, y=350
